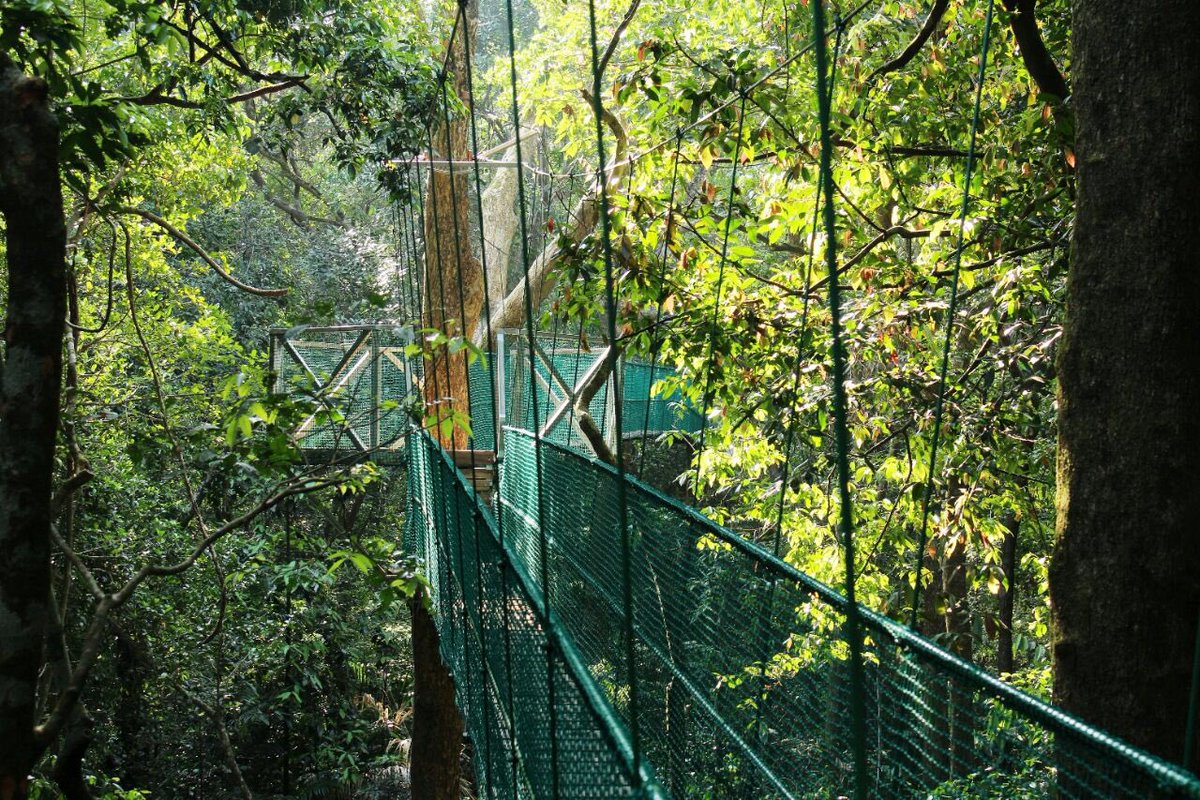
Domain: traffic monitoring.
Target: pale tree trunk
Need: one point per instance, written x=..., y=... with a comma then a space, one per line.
x=1125, y=573
x=500, y=223
x=509, y=312
x=30, y=372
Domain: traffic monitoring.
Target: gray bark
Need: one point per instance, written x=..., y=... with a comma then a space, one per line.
x=1125, y=574
x=30, y=374
x=510, y=312
x=500, y=222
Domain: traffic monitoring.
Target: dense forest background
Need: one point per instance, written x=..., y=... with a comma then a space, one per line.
x=230, y=616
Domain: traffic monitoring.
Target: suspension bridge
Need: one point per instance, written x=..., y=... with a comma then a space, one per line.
x=608, y=640
x=740, y=662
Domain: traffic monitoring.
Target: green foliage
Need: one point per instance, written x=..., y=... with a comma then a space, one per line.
x=728, y=267
x=259, y=134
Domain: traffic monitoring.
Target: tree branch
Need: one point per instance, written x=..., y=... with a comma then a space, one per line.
x=200, y=251
x=1038, y=61
x=297, y=215
x=216, y=714
x=616, y=37
x=286, y=167
x=511, y=311
x=48, y=730
x=909, y=53
x=156, y=96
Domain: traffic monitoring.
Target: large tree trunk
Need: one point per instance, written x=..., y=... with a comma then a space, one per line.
x=1125, y=575
x=454, y=275
x=30, y=371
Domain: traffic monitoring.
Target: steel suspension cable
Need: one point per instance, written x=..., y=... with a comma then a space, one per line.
x=655, y=343
x=461, y=25
x=543, y=548
x=939, y=406
x=853, y=628
x=495, y=411
x=610, y=302
x=790, y=428
x=712, y=332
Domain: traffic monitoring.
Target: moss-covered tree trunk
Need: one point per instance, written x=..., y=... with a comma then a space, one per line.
x=30, y=371
x=1125, y=575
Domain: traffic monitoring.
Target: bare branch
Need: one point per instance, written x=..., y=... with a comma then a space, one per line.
x=616, y=37
x=1038, y=61
x=909, y=53
x=158, y=97
x=289, y=171
x=48, y=730
x=297, y=215
x=72, y=485
x=200, y=251
x=217, y=715
x=88, y=578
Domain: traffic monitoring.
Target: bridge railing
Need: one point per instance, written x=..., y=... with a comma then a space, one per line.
x=742, y=666
x=541, y=725
x=358, y=377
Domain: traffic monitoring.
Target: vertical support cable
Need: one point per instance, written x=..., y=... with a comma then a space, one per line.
x=841, y=437
x=543, y=548
x=610, y=303
x=939, y=407
x=790, y=431
x=1189, y=741
x=712, y=332
x=662, y=298
x=496, y=409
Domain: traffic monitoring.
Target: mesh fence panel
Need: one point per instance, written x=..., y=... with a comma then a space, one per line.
x=560, y=363
x=351, y=373
x=358, y=375
x=540, y=725
x=743, y=673
x=648, y=412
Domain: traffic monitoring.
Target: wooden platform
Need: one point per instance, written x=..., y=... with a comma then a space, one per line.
x=479, y=466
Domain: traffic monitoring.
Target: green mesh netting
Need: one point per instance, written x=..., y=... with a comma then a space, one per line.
x=743, y=672
x=741, y=665
x=357, y=379
x=540, y=724
x=560, y=362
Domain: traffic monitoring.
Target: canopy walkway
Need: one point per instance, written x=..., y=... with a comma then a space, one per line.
x=609, y=641
x=741, y=684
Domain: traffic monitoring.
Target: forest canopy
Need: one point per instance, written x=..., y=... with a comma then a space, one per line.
x=195, y=603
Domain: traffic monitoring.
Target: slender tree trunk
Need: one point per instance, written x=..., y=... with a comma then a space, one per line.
x=30, y=372
x=437, y=725
x=1125, y=573
x=1007, y=601
x=957, y=616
